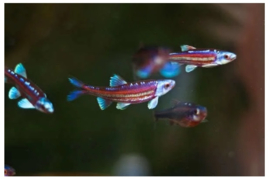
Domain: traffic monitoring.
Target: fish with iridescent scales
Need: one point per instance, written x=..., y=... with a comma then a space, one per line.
x=183, y=114
x=9, y=171
x=194, y=57
x=152, y=59
x=33, y=96
x=124, y=93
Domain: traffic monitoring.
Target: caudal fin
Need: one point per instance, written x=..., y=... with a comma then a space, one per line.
x=75, y=94
x=76, y=82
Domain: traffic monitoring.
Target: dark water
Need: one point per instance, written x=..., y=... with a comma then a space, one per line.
x=94, y=41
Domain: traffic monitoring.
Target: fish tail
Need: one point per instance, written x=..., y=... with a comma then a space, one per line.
x=75, y=94
x=76, y=82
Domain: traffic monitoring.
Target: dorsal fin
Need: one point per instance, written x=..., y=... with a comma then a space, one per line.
x=117, y=81
x=186, y=47
x=19, y=69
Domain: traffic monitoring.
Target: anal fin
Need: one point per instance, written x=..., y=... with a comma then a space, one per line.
x=25, y=104
x=103, y=103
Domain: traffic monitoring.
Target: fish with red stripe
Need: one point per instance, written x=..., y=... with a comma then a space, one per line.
x=201, y=57
x=124, y=93
x=33, y=96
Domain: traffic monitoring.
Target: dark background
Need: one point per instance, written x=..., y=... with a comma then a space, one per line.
x=93, y=41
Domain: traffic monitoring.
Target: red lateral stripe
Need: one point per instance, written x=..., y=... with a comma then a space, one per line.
x=130, y=92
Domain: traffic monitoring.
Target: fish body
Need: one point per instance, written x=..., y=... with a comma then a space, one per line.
x=201, y=57
x=183, y=114
x=33, y=96
x=124, y=93
x=9, y=171
x=152, y=59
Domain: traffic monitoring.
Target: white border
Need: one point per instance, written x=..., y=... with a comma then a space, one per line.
x=267, y=65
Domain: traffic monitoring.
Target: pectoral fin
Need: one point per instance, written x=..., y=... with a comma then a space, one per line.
x=209, y=65
x=190, y=68
x=153, y=103
x=122, y=106
x=14, y=93
x=25, y=104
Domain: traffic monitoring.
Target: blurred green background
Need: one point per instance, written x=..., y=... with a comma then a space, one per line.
x=94, y=41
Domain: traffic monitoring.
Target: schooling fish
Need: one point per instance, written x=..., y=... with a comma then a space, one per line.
x=152, y=59
x=124, y=93
x=9, y=171
x=183, y=114
x=33, y=96
x=201, y=57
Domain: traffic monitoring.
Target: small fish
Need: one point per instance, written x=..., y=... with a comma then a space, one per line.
x=183, y=114
x=201, y=57
x=9, y=171
x=33, y=96
x=124, y=93
x=151, y=59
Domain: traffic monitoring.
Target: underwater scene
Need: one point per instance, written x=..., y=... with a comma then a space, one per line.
x=134, y=89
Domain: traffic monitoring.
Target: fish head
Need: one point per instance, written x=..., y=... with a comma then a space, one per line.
x=9, y=171
x=199, y=114
x=44, y=105
x=224, y=57
x=164, y=86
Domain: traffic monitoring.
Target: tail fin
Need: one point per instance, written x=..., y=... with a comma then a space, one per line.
x=76, y=82
x=75, y=94
x=170, y=70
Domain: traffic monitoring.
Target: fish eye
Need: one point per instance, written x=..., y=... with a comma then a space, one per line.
x=167, y=85
x=226, y=56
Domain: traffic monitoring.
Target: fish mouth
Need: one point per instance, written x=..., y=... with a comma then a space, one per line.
x=233, y=56
x=173, y=83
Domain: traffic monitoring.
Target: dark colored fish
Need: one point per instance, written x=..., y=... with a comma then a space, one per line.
x=194, y=58
x=33, y=96
x=152, y=59
x=183, y=114
x=124, y=93
x=9, y=171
